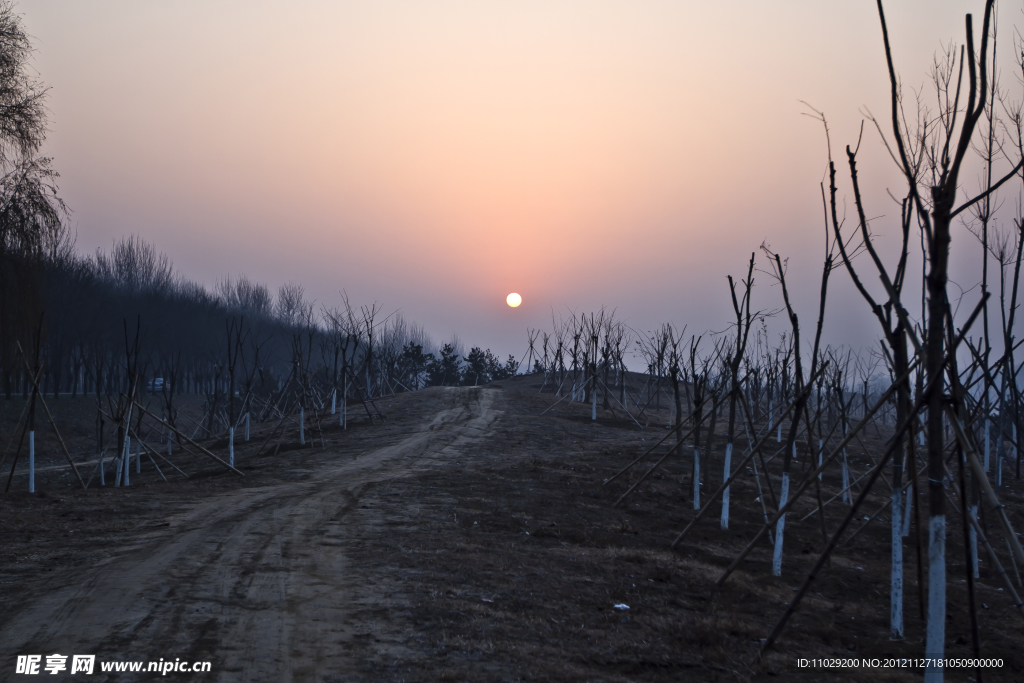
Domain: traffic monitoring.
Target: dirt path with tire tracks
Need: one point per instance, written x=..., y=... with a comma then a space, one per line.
x=257, y=581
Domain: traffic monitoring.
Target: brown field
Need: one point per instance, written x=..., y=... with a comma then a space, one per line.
x=467, y=539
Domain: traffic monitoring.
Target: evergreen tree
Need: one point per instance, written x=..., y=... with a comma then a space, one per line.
x=444, y=371
x=413, y=365
x=477, y=366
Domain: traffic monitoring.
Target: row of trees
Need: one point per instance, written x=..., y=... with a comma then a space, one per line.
x=69, y=319
x=189, y=334
x=32, y=216
x=125, y=329
x=949, y=383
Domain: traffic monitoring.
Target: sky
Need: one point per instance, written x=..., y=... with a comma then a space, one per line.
x=435, y=156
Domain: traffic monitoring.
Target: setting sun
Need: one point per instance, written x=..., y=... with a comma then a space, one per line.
x=513, y=299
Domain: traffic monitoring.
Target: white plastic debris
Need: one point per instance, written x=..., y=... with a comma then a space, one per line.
x=622, y=605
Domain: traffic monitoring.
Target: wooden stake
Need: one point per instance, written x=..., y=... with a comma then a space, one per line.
x=810, y=479
x=205, y=451
x=986, y=485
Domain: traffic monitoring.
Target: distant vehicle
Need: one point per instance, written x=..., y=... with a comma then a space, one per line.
x=156, y=384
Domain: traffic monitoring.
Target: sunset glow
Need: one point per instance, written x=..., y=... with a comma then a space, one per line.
x=274, y=235
x=360, y=146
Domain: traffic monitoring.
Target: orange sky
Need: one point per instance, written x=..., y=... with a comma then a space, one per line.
x=436, y=156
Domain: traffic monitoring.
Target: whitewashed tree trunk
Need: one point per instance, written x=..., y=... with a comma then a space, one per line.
x=780, y=527
x=247, y=426
x=696, y=478
x=231, y=446
x=935, y=639
x=725, y=493
x=334, y=400
x=896, y=574
x=302, y=426
x=126, y=459
x=138, y=456
x=593, y=402
x=103, y=474
x=821, y=446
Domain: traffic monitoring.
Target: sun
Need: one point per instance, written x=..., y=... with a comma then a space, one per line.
x=513, y=299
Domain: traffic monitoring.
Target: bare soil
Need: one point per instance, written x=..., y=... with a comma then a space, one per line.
x=469, y=538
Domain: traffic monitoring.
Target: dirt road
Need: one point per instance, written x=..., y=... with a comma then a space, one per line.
x=258, y=581
x=468, y=538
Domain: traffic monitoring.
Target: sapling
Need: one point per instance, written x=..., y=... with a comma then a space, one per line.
x=743, y=323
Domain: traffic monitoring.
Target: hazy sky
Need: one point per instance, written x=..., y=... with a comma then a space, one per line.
x=435, y=156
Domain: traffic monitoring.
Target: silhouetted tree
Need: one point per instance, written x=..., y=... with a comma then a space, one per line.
x=444, y=371
x=32, y=228
x=414, y=365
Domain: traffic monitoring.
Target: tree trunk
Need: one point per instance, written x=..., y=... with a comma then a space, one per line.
x=935, y=637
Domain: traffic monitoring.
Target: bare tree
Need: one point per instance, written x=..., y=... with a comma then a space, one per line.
x=246, y=297
x=930, y=159
x=32, y=216
x=135, y=266
x=744, y=319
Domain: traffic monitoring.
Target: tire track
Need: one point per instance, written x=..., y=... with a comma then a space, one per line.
x=256, y=581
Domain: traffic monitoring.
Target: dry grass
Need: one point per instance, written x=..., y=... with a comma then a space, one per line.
x=505, y=563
